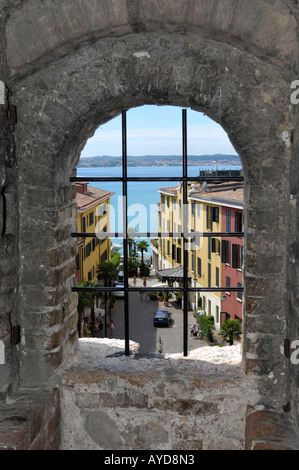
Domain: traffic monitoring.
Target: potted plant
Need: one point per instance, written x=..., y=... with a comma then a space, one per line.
x=166, y=297
x=230, y=330
x=160, y=295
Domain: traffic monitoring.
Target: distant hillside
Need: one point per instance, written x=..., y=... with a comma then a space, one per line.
x=154, y=160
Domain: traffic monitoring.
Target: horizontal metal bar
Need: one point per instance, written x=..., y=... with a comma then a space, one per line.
x=155, y=234
x=209, y=179
x=153, y=289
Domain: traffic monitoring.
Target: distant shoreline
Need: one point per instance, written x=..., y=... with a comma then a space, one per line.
x=159, y=161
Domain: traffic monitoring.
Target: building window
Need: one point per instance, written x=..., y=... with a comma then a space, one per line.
x=178, y=256
x=227, y=283
x=228, y=220
x=217, y=277
x=209, y=275
x=198, y=267
x=91, y=218
x=209, y=215
x=193, y=263
x=226, y=252
x=215, y=214
x=238, y=222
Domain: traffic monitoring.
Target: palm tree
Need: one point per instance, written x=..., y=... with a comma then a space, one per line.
x=230, y=330
x=131, y=243
x=142, y=246
x=106, y=272
x=94, y=295
x=85, y=299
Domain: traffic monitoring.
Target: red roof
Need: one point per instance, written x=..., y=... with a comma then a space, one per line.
x=91, y=197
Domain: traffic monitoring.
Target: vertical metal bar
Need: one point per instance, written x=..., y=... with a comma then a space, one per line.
x=185, y=232
x=125, y=240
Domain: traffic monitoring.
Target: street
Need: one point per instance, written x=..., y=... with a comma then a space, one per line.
x=141, y=330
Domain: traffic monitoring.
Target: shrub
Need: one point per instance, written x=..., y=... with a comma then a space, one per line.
x=206, y=325
x=230, y=330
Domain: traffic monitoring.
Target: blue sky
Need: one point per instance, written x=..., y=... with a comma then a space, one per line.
x=157, y=130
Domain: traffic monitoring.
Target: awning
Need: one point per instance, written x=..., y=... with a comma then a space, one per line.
x=172, y=275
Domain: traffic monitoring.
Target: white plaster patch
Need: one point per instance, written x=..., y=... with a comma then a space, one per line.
x=285, y=136
x=142, y=55
x=2, y=93
x=2, y=353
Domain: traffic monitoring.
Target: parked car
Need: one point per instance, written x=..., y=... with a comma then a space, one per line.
x=120, y=277
x=161, y=317
x=119, y=293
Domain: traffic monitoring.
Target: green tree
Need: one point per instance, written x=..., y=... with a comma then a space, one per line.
x=107, y=272
x=142, y=246
x=230, y=330
x=115, y=258
x=131, y=244
x=206, y=325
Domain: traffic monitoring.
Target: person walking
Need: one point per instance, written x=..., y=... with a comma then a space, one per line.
x=112, y=328
x=101, y=329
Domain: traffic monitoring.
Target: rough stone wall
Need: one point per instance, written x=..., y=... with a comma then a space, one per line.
x=70, y=66
x=31, y=420
x=8, y=231
x=112, y=402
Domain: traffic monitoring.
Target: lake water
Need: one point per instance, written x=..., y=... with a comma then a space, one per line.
x=142, y=197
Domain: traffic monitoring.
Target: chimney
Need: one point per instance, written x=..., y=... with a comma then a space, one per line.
x=81, y=187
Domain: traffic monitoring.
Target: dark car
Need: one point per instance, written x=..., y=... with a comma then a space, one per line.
x=161, y=317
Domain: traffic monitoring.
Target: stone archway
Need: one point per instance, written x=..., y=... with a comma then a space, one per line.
x=64, y=89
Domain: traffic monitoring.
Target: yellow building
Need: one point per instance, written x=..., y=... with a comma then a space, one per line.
x=204, y=257
x=93, y=216
x=205, y=254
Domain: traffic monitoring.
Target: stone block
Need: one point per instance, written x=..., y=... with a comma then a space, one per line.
x=164, y=11
x=200, y=13
x=39, y=443
x=246, y=17
x=222, y=17
x=271, y=22
x=263, y=426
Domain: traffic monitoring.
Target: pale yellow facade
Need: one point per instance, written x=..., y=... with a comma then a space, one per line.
x=92, y=217
x=204, y=254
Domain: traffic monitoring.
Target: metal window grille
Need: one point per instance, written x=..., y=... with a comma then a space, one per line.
x=185, y=235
